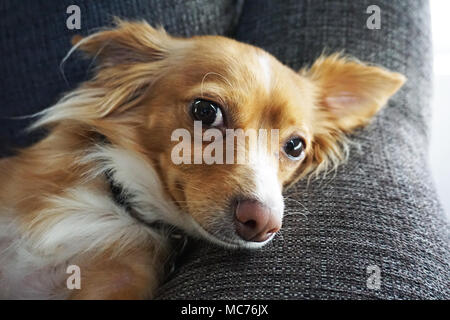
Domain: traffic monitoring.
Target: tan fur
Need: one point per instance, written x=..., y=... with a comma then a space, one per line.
x=132, y=275
x=144, y=85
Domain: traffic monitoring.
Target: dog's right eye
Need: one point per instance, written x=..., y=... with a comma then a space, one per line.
x=295, y=148
x=208, y=112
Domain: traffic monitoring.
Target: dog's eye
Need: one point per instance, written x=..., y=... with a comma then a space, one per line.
x=295, y=148
x=208, y=112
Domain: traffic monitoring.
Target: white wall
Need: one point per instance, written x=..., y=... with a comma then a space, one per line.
x=440, y=130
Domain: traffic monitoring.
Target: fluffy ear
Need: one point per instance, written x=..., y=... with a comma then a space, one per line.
x=129, y=42
x=349, y=92
x=135, y=51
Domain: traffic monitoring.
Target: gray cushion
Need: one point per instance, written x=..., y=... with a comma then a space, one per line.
x=379, y=210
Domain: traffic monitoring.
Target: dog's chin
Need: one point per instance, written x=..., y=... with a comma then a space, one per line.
x=230, y=239
x=235, y=243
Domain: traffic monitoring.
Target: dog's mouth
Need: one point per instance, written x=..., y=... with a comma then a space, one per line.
x=226, y=237
x=244, y=223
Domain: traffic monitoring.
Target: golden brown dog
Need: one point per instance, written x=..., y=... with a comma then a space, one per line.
x=90, y=193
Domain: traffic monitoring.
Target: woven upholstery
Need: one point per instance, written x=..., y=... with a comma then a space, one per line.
x=379, y=209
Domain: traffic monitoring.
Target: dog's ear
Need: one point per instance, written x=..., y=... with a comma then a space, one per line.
x=349, y=92
x=129, y=58
x=127, y=43
x=347, y=95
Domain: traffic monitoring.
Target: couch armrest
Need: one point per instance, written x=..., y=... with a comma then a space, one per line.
x=380, y=211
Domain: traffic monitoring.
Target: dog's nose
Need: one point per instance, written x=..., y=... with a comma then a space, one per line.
x=255, y=222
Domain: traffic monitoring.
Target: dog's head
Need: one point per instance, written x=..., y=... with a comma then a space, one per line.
x=172, y=103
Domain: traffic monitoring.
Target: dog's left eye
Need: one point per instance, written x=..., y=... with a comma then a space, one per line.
x=295, y=148
x=208, y=112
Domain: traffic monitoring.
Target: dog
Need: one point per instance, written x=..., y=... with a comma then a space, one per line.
x=101, y=191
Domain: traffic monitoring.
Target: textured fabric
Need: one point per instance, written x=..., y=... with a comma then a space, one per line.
x=380, y=209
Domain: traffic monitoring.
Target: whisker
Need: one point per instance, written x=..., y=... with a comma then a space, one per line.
x=213, y=73
x=299, y=203
x=296, y=214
